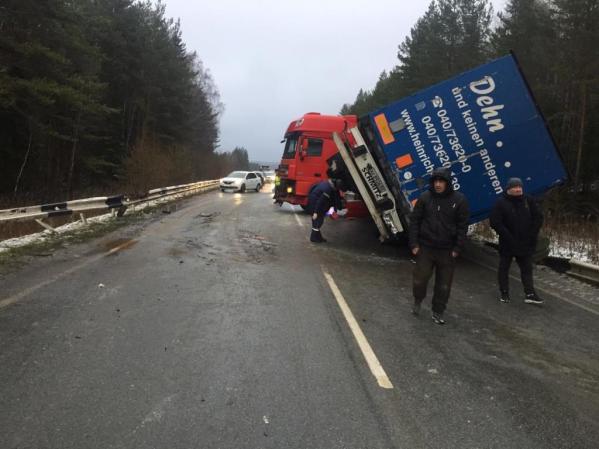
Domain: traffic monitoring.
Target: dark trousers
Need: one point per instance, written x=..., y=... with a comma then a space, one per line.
x=316, y=236
x=443, y=263
x=525, y=264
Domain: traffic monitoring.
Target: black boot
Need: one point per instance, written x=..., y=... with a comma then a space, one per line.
x=315, y=237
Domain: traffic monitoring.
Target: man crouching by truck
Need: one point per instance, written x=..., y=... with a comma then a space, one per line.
x=322, y=197
x=437, y=233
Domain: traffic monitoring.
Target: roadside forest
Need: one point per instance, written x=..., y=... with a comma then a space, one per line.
x=101, y=96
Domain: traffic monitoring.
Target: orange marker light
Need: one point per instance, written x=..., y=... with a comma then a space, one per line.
x=384, y=130
x=404, y=161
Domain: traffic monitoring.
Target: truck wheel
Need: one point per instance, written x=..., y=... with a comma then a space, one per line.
x=242, y=189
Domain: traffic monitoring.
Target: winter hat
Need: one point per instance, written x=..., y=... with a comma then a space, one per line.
x=514, y=182
x=441, y=173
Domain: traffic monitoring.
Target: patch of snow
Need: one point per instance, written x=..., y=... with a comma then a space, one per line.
x=579, y=250
x=564, y=246
x=46, y=235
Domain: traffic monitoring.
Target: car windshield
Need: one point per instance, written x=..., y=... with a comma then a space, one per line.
x=237, y=174
x=269, y=173
x=290, y=144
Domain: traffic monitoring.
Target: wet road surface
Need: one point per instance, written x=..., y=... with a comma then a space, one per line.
x=215, y=327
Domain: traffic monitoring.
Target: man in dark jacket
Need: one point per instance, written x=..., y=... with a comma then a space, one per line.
x=322, y=197
x=517, y=219
x=437, y=233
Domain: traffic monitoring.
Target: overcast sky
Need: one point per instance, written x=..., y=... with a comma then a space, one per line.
x=274, y=60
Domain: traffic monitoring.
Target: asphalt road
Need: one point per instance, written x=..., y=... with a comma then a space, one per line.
x=215, y=327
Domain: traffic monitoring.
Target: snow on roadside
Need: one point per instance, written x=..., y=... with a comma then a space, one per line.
x=580, y=250
x=583, y=250
x=46, y=235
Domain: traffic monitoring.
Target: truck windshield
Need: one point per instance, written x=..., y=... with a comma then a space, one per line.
x=289, y=152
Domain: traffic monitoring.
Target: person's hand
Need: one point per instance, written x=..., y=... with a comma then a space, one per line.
x=334, y=215
x=454, y=254
x=314, y=216
x=415, y=250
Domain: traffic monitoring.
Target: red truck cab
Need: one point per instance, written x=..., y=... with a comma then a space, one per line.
x=308, y=145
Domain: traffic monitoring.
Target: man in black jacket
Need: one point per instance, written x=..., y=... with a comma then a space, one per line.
x=437, y=233
x=322, y=197
x=517, y=219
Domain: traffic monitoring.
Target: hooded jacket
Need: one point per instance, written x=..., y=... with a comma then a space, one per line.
x=440, y=220
x=517, y=220
x=322, y=197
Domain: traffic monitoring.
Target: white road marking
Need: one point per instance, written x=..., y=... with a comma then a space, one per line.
x=542, y=290
x=299, y=222
x=24, y=293
x=373, y=362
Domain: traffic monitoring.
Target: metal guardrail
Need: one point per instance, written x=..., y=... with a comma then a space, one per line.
x=584, y=271
x=482, y=253
x=119, y=202
x=60, y=209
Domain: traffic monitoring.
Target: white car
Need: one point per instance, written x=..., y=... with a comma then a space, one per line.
x=240, y=181
x=270, y=175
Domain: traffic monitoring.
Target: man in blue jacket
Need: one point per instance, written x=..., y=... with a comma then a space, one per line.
x=437, y=233
x=322, y=197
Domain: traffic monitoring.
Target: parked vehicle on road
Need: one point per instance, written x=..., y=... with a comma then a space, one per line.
x=240, y=181
x=261, y=176
x=484, y=125
x=270, y=176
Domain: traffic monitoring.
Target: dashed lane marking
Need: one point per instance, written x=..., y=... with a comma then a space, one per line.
x=371, y=359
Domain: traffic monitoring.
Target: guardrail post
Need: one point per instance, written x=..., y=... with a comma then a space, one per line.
x=121, y=211
x=83, y=219
x=45, y=225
